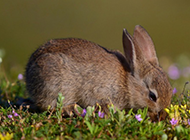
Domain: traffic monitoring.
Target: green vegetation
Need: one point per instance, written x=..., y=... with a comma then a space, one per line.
x=90, y=123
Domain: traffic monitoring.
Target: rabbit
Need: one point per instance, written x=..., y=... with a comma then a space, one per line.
x=87, y=73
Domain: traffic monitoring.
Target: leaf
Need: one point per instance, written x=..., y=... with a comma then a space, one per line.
x=90, y=127
x=90, y=111
x=77, y=109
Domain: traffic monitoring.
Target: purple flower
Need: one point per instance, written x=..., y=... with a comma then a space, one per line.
x=174, y=91
x=20, y=77
x=83, y=113
x=173, y=72
x=173, y=121
x=101, y=114
x=15, y=114
x=10, y=116
x=188, y=121
x=138, y=117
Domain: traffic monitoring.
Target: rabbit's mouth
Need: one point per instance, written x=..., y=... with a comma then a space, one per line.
x=157, y=116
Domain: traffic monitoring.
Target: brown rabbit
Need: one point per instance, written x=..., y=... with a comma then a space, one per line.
x=86, y=74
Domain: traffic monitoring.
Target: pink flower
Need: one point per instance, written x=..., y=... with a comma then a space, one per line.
x=10, y=116
x=83, y=113
x=138, y=117
x=188, y=121
x=101, y=114
x=15, y=114
x=174, y=91
x=173, y=121
x=20, y=77
x=173, y=72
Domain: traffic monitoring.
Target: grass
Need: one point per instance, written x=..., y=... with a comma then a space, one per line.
x=91, y=123
x=19, y=123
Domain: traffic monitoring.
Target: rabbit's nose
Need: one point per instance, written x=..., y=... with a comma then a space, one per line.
x=154, y=116
x=162, y=115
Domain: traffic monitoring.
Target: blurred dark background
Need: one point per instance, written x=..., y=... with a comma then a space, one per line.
x=25, y=25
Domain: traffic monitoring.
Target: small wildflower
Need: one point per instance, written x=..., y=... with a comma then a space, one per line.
x=176, y=107
x=15, y=114
x=138, y=117
x=173, y=121
x=173, y=72
x=174, y=91
x=184, y=106
x=83, y=113
x=167, y=110
x=10, y=116
x=6, y=137
x=20, y=77
x=188, y=121
x=100, y=114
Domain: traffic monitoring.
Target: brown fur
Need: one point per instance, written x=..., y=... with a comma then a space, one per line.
x=86, y=74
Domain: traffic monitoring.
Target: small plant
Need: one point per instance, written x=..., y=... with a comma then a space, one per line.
x=179, y=111
x=59, y=108
x=6, y=136
x=90, y=122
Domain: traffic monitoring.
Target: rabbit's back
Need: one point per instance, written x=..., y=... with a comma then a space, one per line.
x=84, y=72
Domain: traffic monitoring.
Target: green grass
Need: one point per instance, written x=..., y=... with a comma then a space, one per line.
x=119, y=125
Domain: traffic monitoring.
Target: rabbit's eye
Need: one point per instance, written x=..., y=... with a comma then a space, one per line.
x=152, y=96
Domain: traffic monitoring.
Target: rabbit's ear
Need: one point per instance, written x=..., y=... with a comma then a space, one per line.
x=145, y=43
x=129, y=50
